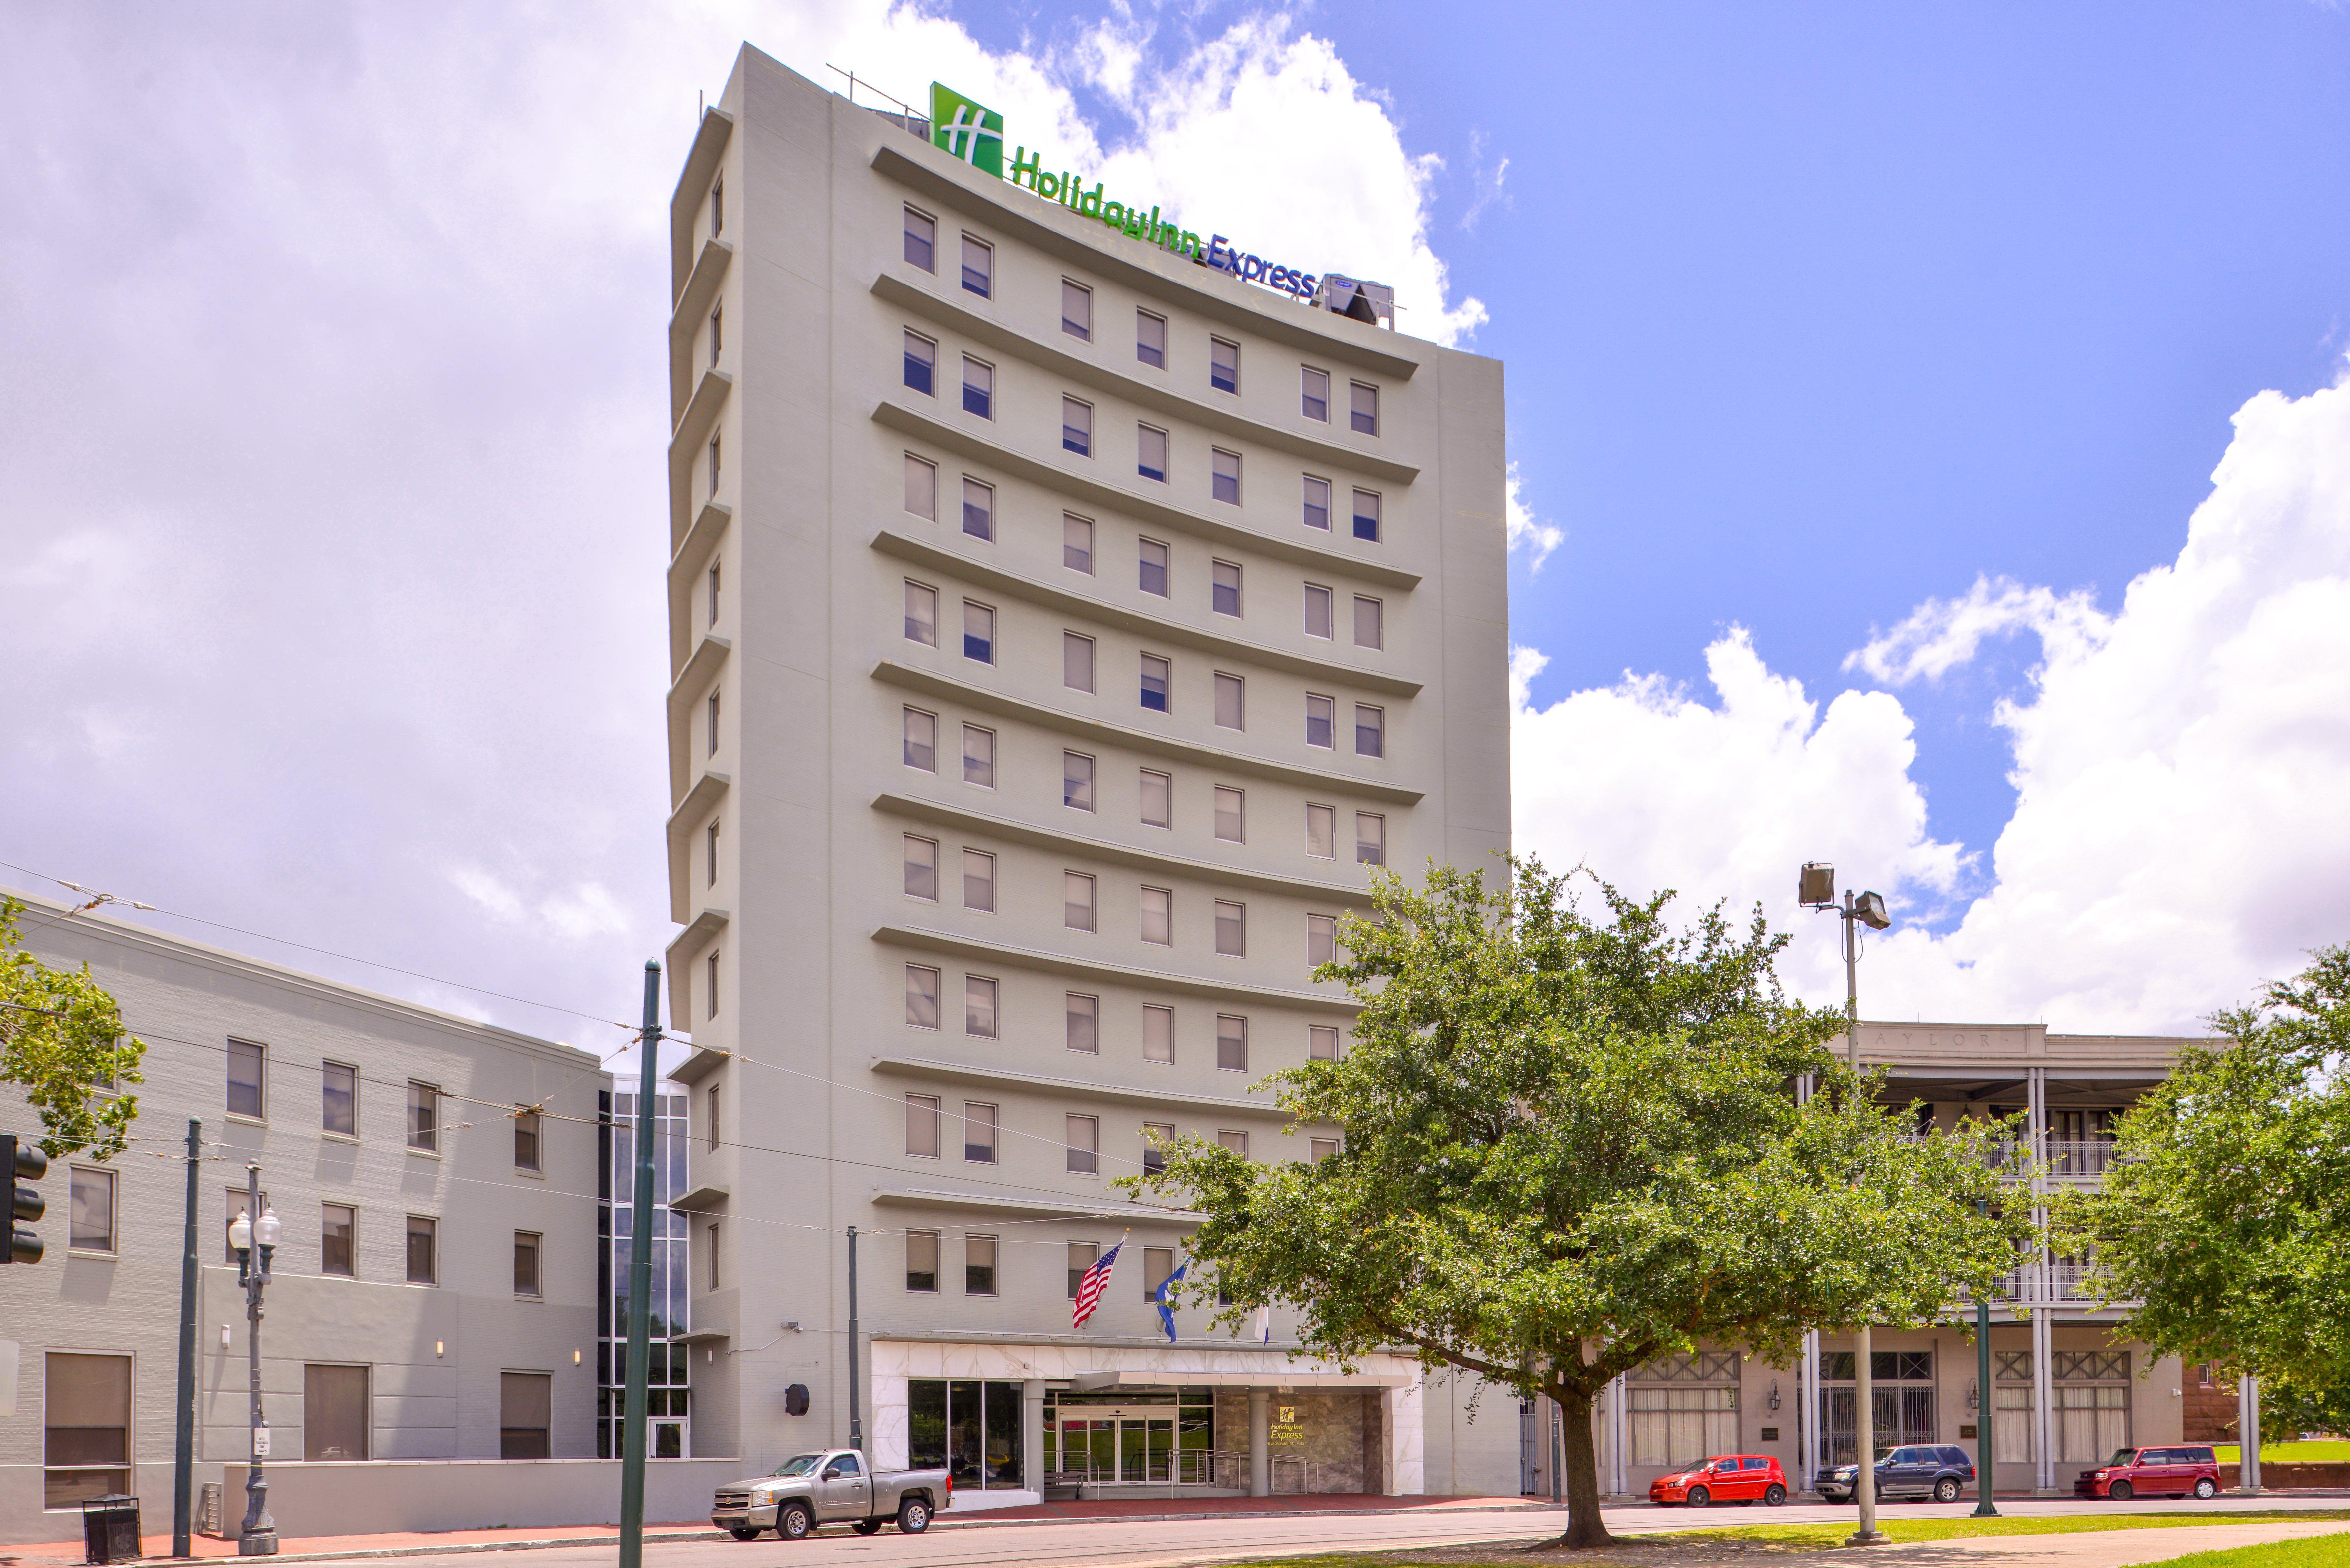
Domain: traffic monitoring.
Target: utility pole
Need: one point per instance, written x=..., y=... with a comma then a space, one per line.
x=183, y=1437
x=1984, y=1453
x=641, y=1284
x=856, y=1405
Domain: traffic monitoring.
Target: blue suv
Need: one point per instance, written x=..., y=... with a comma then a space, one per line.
x=1919, y=1470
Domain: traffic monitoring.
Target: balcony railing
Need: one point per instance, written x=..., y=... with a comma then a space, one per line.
x=2066, y=1282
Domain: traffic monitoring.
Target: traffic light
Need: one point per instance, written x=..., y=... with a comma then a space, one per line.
x=20, y=1159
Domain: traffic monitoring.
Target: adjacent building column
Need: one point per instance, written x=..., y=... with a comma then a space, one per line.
x=1618, y=1430
x=1808, y=1457
x=2044, y=1411
x=2248, y=1429
x=1031, y=1435
x=1260, y=1442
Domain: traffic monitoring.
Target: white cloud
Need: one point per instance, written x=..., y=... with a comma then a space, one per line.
x=1522, y=529
x=2179, y=833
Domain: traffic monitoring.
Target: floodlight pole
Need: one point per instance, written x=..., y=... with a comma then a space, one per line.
x=633, y=1435
x=1864, y=1475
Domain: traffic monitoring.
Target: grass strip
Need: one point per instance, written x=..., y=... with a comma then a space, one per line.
x=1968, y=1527
x=2315, y=1552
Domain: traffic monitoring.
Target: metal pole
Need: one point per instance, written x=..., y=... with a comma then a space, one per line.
x=183, y=1436
x=1864, y=1489
x=640, y=1282
x=257, y=1536
x=856, y=1405
x=1984, y=1453
x=2247, y=1451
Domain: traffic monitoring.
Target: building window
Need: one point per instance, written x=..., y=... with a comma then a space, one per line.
x=921, y=613
x=978, y=509
x=1315, y=394
x=921, y=487
x=237, y=1204
x=1076, y=427
x=1370, y=731
x=717, y=207
x=1232, y=1043
x=1156, y=679
x=979, y=757
x=1077, y=781
x=86, y=1428
x=526, y=1406
x=979, y=1006
x=1321, y=940
x=1224, y=587
x=525, y=1140
x=1082, y=1257
x=1370, y=838
x=1077, y=310
x=713, y=465
x=1156, y=1138
x=1223, y=365
x=1150, y=453
x=979, y=1266
x=1321, y=721
x=979, y=267
x=1232, y=820
x=1231, y=929
x=1084, y=1024
x=717, y=335
x=1366, y=515
x=922, y=1261
x=423, y=1117
x=339, y=1227
x=922, y=1125
x=922, y=241
x=921, y=363
x=1157, y=1034
x=1157, y=799
x=922, y=743
x=1319, y=1149
x=978, y=632
x=1076, y=661
x=1670, y=1424
x=1370, y=623
x=1077, y=901
x=921, y=868
x=338, y=1109
x=711, y=1133
x=1159, y=917
x=1224, y=476
x=921, y=997
x=713, y=593
x=1157, y=1263
x=246, y=1077
x=423, y=1250
x=979, y=881
x=1150, y=339
x=1230, y=691
x=1235, y=1140
x=526, y=1262
x=335, y=1415
x=1317, y=610
x=711, y=1236
x=1077, y=543
x=90, y=1197
x=978, y=1132
x=709, y=835
x=710, y=718
x=977, y=388
x=1322, y=832
x=1151, y=559
x=1317, y=504
x=1321, y=1042
x=710, y=984
x=1364, y=411
x=1082, y=1136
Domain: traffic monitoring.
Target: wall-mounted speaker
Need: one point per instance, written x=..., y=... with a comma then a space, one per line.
x=795, y=1399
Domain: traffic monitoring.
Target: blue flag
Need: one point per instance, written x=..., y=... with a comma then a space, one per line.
x=1166, y=1308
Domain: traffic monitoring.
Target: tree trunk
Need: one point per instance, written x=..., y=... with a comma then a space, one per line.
x=1581, y=1472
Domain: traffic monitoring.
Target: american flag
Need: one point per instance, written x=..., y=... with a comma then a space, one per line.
x=1091, y=1284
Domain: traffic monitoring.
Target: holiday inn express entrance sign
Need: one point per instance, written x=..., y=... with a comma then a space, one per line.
x=974, y=134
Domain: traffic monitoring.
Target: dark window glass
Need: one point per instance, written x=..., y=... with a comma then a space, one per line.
x=245, y=1065
x=340, y=1110
x=921, y=365
x=922, y=241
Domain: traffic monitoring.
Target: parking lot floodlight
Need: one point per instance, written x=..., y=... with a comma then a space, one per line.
x=1816, y=888
x=1869, y=909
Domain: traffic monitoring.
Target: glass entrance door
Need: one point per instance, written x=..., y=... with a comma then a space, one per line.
x=1132, y=1448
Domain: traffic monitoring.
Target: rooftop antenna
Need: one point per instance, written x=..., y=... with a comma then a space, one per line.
x=854, y=84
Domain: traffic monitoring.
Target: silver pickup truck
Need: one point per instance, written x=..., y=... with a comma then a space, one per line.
x=831, y=1486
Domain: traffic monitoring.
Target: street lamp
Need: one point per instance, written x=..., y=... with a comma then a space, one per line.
x=257, y=1536
x=1816, y=890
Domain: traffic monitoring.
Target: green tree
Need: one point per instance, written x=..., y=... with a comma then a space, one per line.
x=1571, y=1146
x=61, y=1042
x=2226, y=1211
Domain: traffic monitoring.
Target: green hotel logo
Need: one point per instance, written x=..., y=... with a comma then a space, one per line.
x=966, y=131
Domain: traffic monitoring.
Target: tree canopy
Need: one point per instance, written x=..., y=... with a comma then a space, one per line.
x=2225, y=1214
x=1571, y=1145
x=61, y=1042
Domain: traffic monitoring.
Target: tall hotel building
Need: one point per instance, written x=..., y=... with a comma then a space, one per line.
x=1059, y=631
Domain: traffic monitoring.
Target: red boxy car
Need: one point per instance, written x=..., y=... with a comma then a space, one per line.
x=2152, y=1472
x=1726, y=1477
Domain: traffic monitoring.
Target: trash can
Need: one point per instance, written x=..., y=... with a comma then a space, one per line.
x=109, y=1529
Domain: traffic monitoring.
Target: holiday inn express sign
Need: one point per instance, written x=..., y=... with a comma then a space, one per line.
x=974, y=134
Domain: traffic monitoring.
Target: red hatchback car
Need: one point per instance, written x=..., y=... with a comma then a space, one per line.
x=1726, y=1477
x=2152, y=1472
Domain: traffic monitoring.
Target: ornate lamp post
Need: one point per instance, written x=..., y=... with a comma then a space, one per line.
x=257, y=1536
